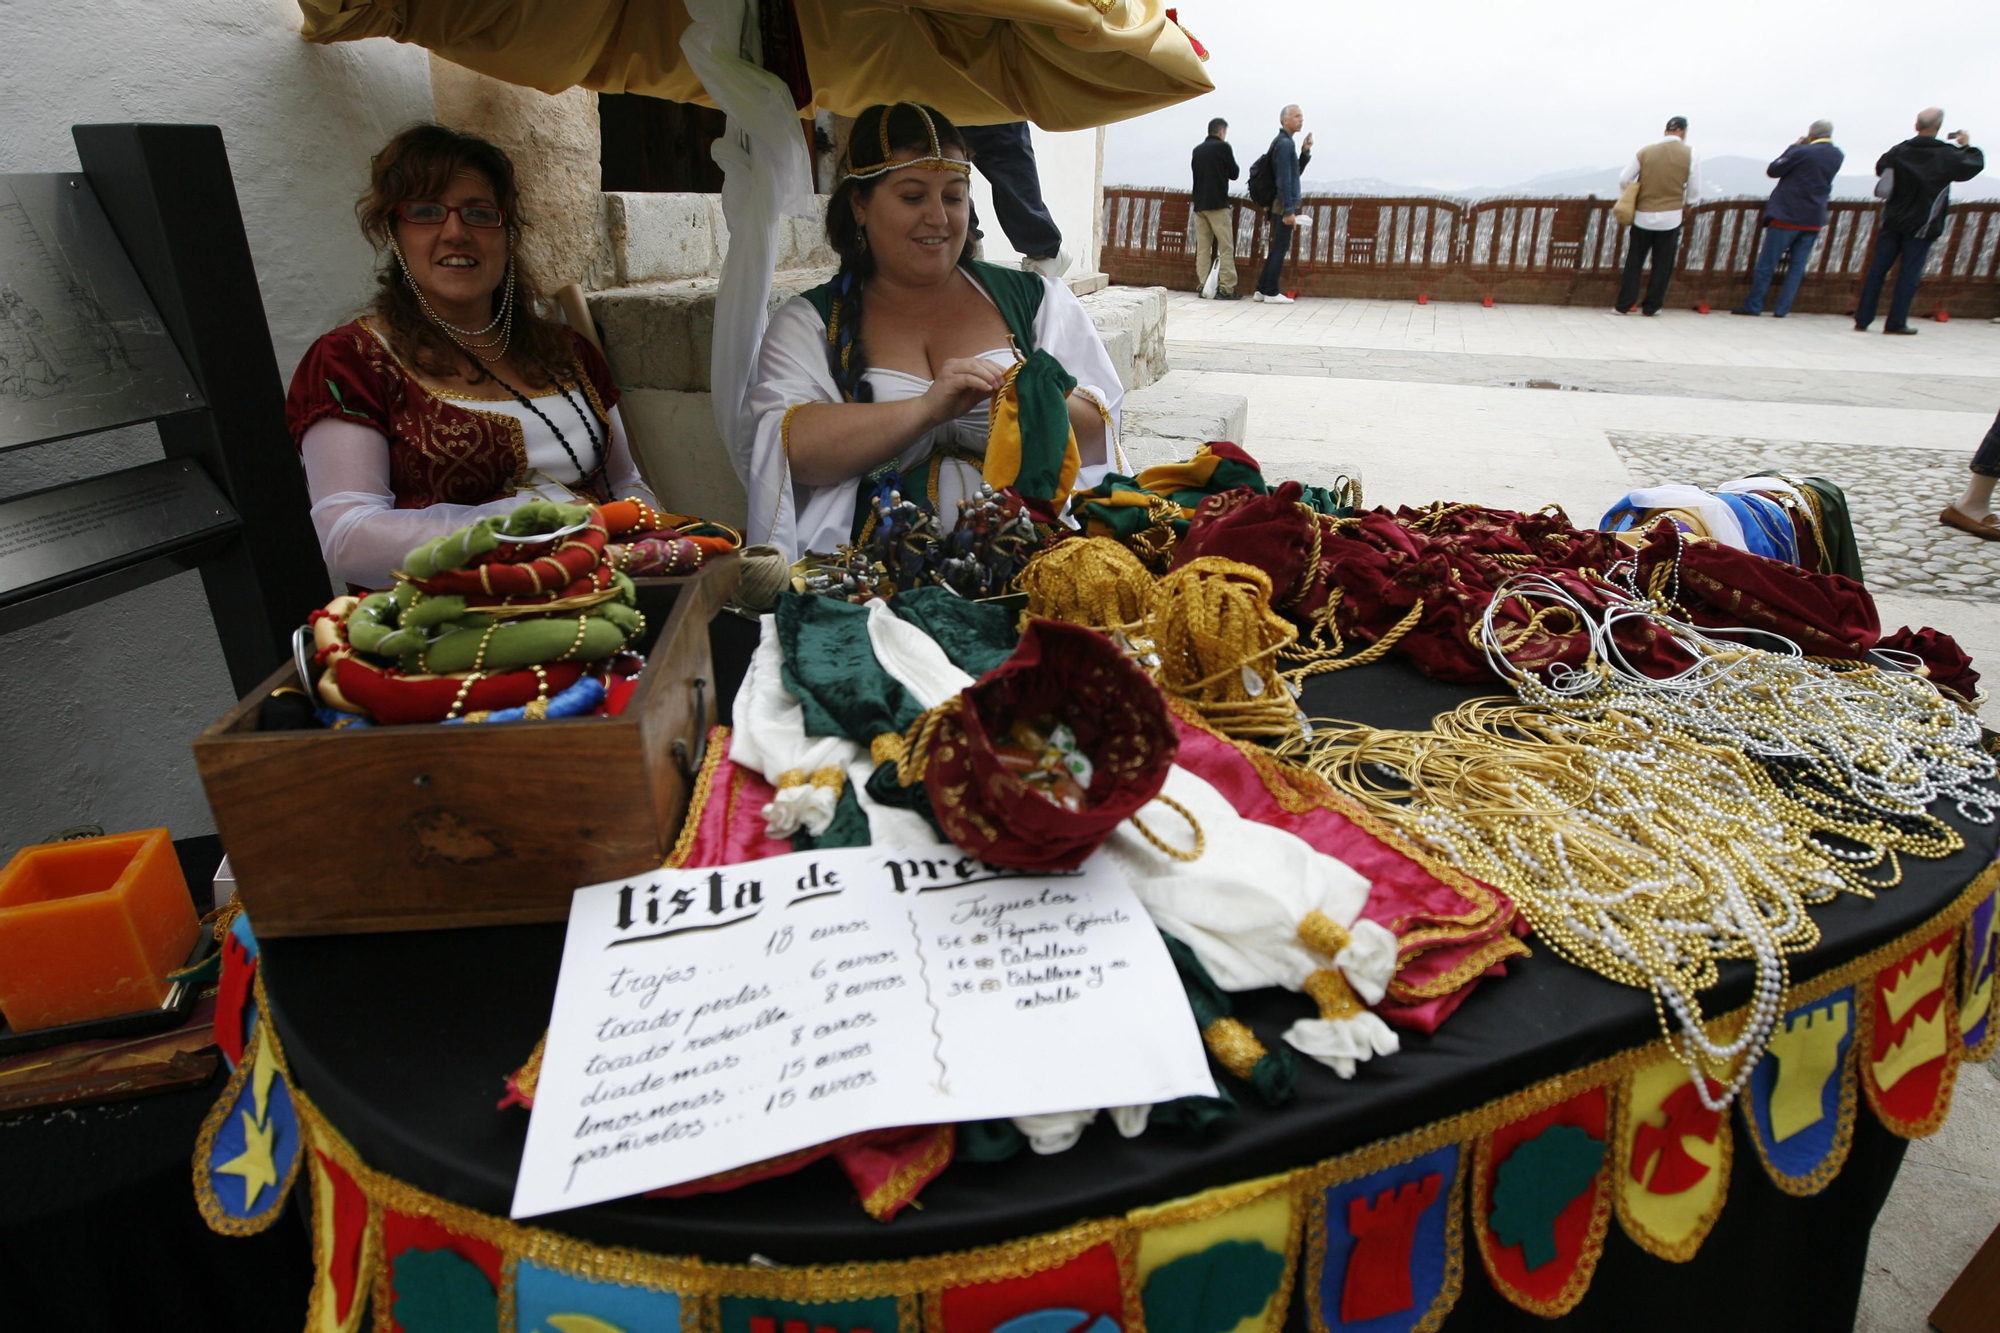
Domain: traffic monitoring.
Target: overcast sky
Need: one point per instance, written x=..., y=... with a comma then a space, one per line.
x=1456, y=93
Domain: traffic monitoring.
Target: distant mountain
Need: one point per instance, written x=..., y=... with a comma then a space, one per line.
x=1724, y=177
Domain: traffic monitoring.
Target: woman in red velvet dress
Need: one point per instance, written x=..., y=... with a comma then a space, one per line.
x=452, y=398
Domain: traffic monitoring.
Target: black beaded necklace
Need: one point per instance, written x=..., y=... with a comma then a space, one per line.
x=599, y=444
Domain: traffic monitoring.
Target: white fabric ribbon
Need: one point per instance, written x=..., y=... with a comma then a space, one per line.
x=770, y=738
x=766, y=177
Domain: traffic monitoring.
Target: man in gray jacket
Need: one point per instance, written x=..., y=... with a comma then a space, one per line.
x=1795, y=216
x=1924, y=167
x=1287, y=161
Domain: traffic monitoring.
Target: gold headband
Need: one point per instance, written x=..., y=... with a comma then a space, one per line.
x=934, y=161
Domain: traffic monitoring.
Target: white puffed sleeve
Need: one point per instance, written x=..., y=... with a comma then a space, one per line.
x=362, y=535
x=791, y=372
x=1063, y=330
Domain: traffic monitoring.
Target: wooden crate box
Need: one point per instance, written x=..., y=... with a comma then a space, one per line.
x=427, y=827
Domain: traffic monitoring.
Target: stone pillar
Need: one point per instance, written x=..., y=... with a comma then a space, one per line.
x=554, y=143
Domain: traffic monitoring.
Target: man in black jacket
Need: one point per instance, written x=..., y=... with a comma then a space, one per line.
x=1924, y=167
x=1795, y=216
x=1214, y=231
x=1288, y=163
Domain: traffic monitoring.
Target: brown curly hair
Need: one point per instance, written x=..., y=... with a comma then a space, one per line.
x=418, y=164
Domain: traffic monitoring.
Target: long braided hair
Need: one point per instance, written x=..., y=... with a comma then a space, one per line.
x=879, y=132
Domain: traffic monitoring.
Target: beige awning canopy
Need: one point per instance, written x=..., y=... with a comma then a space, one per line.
x=1063, y=64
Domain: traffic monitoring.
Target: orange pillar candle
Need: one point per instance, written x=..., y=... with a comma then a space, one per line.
x=90, y=928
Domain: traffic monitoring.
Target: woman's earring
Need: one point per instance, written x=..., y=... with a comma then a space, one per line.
x=864, y=240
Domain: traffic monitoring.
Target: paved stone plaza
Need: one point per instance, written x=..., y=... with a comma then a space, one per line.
x=1522, y=405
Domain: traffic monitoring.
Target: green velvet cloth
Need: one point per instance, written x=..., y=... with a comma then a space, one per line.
x=831, y=667
x=1275, y=1076
x=1841, y=556
x=976, y=636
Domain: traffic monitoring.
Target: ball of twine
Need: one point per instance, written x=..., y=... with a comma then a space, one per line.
x=1091, y=581
x=766, y=573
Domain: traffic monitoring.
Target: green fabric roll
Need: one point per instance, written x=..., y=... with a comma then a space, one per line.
x=456, y=550
x=831, y=667
x=404, y=624
x=1274, y=1078
x=988, y=1141
x=1841, y=555
x=1197, y=1115
x=976, y=636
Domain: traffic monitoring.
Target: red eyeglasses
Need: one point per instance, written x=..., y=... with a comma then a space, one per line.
x=424, y=213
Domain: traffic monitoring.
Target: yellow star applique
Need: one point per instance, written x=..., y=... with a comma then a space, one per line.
x=254, y=1163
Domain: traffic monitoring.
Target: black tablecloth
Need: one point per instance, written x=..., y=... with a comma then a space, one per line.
x=403, y=1041
x=98, y=1224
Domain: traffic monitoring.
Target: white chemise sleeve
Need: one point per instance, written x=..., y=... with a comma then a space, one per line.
x=364, y=538
x=1063, y=330
x=362, y=534
x=791, y=371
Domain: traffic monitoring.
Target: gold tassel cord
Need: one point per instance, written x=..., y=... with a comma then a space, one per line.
x=1091, y=581
x=1218, y=641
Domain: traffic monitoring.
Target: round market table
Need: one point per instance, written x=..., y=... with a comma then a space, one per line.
x=402, y=1043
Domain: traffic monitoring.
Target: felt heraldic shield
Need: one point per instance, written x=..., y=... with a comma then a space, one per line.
x=1976, y=1016
x=1385, y=1250
x=1030, y=444
x=1541, y=1202
x=1799, y=1105
x=1910, y=1042
x=1671, y=1173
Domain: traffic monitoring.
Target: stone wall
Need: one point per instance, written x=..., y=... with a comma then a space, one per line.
x=98, y=706
x=555, y=147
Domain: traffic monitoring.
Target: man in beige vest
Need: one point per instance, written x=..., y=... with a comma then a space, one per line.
x=1669, y=176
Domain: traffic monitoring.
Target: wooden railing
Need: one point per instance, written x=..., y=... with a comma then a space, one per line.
x=1543, y=251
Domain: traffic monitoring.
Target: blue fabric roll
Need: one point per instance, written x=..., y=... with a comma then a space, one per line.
x=1766, y=526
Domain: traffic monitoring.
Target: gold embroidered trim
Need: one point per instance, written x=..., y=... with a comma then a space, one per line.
x=906, y=1179
x=791, y=777
x=1234, y=1045
x=830, y=778
x=718, y=751
x=1322, y=934
x=529, y=1076
x=220, y=1219
x=1336, y=999
x=887, y=748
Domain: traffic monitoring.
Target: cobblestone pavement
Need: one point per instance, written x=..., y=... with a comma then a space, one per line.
x=1894, y=494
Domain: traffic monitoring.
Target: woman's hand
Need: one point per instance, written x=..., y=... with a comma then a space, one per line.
x=961, y=385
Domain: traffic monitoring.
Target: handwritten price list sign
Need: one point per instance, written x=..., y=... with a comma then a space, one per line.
x=708, y=1019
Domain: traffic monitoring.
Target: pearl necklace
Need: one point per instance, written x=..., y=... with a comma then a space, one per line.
x=466, y=338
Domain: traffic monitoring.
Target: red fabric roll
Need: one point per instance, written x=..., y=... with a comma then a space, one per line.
x=1722, y=588
x=1950, y=666
x=396, y=699
x=1058, y=674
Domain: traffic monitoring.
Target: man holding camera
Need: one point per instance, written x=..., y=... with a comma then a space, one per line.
x=1915, y=178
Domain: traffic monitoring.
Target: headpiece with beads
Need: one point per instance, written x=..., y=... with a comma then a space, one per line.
x=858, y=170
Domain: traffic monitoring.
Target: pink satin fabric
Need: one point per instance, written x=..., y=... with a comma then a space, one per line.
x=1439, y=928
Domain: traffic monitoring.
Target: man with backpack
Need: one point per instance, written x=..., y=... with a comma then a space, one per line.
x=1274, y=186
x=1915, y=177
